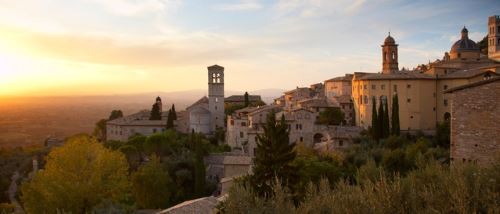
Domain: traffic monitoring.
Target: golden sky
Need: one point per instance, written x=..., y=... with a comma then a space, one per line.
x=94, y=47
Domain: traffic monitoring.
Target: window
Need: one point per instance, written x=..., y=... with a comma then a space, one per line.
x=374, y=87
x=408, y=100
x=445, y=87
x=408, y=86
x=364, y=86
x=445, y=102
x=216, y=99
x=296, y=126
x=487, y=76
x=243, y=124
x=366, y=99
x=242, y=134
x=395, y=88
x=341, y=143
x=301, y=139
x=382, y=87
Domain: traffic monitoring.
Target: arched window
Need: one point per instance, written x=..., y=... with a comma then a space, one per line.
x=447, y=116
x=385, y=56
x=393, y=55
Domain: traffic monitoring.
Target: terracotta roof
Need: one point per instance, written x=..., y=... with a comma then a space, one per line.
x=203, y=100
x=397, y=75
x=297, y=89
x=344, y=99
x=347, y=77
x=241, y=98
x=318, y=102
x=200, y=206
x=451, y=90
x=264, y=108
x=138, y=119
x=466, y=74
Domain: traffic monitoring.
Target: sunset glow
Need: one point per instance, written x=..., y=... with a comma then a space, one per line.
x=88, y=47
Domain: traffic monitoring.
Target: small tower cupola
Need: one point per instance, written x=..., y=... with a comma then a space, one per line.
x=465, y=33
x=389, y=55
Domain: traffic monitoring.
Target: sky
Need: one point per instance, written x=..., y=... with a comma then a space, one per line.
x=105, y=47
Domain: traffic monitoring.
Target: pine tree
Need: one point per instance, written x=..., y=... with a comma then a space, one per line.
x=155, y=112
x=174, y=113
x=247, y=100
x=386, y=121
x=395, y=128
x=375, y=125
x=273, y=158
x=170, y=119
x=380, y=120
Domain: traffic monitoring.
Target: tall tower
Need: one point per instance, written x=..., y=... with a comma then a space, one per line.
x=216, y=96
x=389, y=56
x=494, y=38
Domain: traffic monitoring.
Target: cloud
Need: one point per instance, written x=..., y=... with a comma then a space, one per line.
x=243, y=5
x=133, y=8
x=317, y=8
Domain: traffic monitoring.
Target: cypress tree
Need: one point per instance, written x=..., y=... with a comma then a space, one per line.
x=375, y=127
x=273, y=158
x=170, y=120
x=155, y=112
x=199, y=167
x=386, y=121
x=247, y=100
x=380, y=121
x=395, y=128
x=174, y=114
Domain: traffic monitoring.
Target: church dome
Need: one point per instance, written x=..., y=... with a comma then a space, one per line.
x=389, y=40
x=464, y=44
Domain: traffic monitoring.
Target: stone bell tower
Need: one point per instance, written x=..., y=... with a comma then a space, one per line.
x=494, y=38
x=216, y=96
x=389, y=56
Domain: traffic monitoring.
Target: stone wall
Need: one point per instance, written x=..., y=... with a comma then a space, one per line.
x=475, y=123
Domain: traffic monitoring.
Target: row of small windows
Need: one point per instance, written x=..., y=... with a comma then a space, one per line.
x=492, y=42
x=492, y=29
x=374, y=87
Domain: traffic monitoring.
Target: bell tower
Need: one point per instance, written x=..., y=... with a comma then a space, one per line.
x=216, y=96
x=389, y=56
x=494, y=38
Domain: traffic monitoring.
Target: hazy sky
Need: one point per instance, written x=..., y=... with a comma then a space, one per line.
x=66, y=47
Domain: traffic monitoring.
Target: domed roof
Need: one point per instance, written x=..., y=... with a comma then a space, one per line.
x=389, y=40
x=464, y=44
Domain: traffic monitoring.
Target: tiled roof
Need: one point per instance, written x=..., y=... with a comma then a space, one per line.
x=318, y=102
x=241, y=98
x=228, y=159
x=347, y=77
x=199, y=206
x=138, y=119
x=465, y=74
x=451, y=90
x=397, y=75
x=264, y=108
x=344, y=99
x=203, y=100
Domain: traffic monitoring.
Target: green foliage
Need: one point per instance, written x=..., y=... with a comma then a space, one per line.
x=385, y=122
x=395, y=126
x=431, y=188
x=380, y=120
x=375, y=129
x=199, y=167
x=115, y=114
x=483, y=45
x=174, y=113
x=152, y=185
x=331, y=116
x=273, y=158
x=442, y=137
x=77, y=177
x=155, y=112
x=247, y=100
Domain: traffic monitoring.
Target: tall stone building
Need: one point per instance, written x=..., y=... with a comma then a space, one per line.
x=494, y=38
x=475, y=114
x=422, y=101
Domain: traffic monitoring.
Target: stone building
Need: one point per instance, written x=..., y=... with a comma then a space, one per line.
x=422, y=101
x=122, y=129
x=475, y=116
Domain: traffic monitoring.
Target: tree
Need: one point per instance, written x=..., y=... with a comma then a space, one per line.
x=247, y=100
x=155, y=112
x=151, y=185
x=395, y=127
x=199, y=167
x=385, y=126
x=380, y=119
x=170, y=119
x=100, y=130
x=331, y=116
x=273, y=158
x=375, y=124
x=174, y=113
x=115, y=114
x=77, y=177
